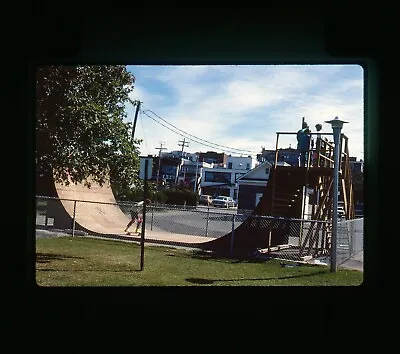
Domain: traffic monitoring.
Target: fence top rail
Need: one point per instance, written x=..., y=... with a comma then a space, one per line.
x=281, y=218
x=83, y=201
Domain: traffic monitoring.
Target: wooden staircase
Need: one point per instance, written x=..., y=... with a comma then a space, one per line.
x=283, y=199
x=284, y=195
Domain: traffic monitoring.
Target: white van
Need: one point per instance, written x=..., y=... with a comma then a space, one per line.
x=205, y=199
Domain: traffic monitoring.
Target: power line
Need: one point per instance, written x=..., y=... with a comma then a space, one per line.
x=230, y=148
x=200, y=143
x=144, y=135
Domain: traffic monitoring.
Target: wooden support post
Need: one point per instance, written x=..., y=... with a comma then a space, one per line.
x=323, y=201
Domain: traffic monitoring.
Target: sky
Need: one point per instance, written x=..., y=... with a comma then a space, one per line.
x=239, y=109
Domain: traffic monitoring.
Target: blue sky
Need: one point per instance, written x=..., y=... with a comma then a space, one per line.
x=240, y=108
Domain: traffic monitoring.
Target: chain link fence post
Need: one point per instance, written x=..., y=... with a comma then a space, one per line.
x=152, y=217
x=73, y=219
x=208, y=213
x=46, y=217
x=351, y=239
x=232, y=234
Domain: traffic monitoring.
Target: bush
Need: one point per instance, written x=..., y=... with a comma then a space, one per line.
x=158, y=197
x=181, y=197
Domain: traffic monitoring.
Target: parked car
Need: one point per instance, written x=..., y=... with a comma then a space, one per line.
x=223, y=201
x=205, y=199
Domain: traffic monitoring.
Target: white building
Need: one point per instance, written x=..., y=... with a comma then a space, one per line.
x=181, y=167
x=191, y=172
x=218, y=180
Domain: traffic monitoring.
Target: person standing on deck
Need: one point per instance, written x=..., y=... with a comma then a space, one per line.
x=303, y=144
x=317, y=149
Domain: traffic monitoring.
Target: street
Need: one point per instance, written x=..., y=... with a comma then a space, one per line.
x=202, y=221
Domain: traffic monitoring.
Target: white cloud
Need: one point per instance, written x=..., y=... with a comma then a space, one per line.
x=209, y=101
x=143, y=95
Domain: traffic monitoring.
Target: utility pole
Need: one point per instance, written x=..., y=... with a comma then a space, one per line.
x=195, y=178
x=159, y=161
x=184, y=142
x=137, y=104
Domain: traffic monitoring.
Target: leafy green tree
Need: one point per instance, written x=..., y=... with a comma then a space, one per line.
x=79, y=125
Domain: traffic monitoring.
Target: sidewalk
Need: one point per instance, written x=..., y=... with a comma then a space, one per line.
x=175, y=238
x=355, y=263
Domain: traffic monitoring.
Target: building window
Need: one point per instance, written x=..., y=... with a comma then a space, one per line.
x=237, y=175
x=267, y=171
x=229, y=164
x=217, y=177
x=247, y=166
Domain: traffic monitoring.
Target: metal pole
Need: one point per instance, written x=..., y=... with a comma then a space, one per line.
x=335, y=199
x=273, y=189
x=351, y=238
x=195, y=178
x=336, y=127
x=208, y=212
x=146, y=165
x=159, y=166
x=152, y=217
x=232, y=233
x=73, y=219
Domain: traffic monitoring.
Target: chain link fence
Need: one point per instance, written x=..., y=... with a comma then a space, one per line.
x=350, y=239
x=197, y=221
x=229, y=230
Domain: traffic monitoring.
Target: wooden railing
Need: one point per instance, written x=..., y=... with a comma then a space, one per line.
x=321, y=155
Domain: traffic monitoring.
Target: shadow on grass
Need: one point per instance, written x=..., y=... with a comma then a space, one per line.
x=211, y=281
x=88, y=270
x=48, y=257
x=220, y=257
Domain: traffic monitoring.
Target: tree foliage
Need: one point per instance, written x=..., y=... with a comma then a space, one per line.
x=80, y=130
x=181, y=196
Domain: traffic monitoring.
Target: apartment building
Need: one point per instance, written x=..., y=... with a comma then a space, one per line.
x=288, y=155
x=356, y=166
x=222, y=178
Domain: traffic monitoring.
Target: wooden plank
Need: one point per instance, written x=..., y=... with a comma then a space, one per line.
x=306, y=258
x=323, y=202
x=344, y=192
x=274, y=248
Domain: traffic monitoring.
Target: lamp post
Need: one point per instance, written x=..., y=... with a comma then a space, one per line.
x=337, y=126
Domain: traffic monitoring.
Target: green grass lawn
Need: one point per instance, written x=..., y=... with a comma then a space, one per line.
x=79, y=261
